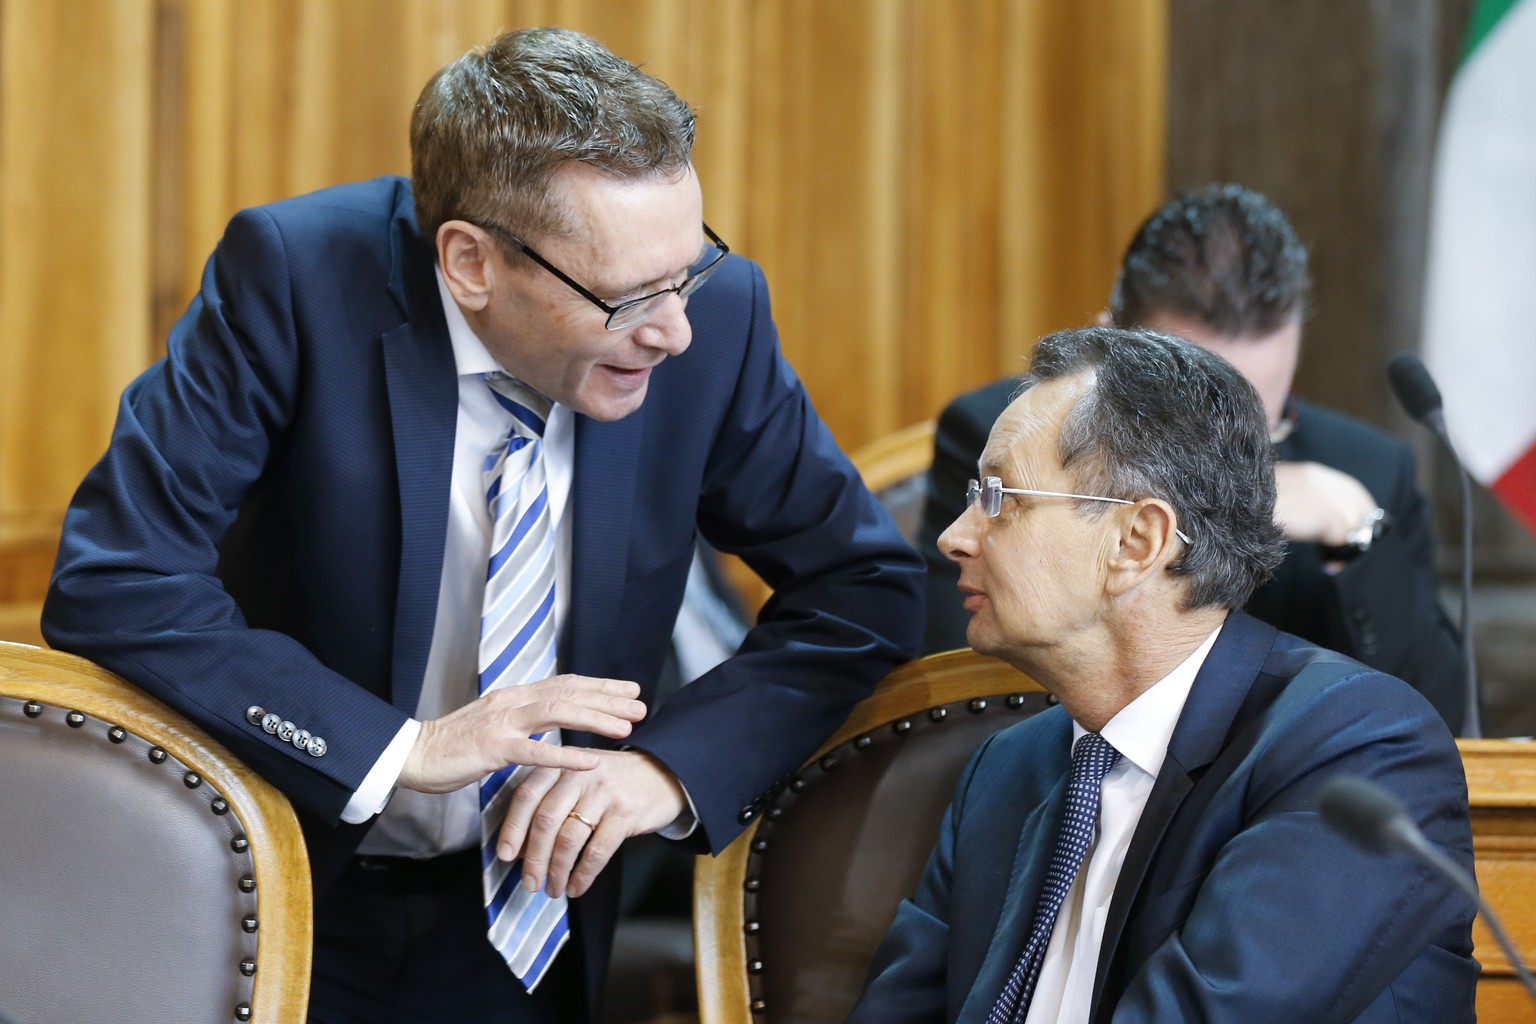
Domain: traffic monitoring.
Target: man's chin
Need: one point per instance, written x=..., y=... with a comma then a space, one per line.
x=609, y=407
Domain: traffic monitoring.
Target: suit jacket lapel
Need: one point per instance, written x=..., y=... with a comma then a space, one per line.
x=1202, y=732
x=1032, y=857
x=602, y=507
x=423, y=409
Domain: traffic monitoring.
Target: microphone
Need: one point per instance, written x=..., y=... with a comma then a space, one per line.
x=1420, y=398
x=1375, y=819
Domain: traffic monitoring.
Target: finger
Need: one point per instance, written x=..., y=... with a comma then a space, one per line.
x=544, y=828
x=547, y=755
x=569, y=842
x=525, y=800
x=600, y=849
x=623, y=688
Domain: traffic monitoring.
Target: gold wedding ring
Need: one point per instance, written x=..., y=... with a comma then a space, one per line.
x=582, y=818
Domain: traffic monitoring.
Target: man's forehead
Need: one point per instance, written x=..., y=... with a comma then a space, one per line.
x=1024, y=436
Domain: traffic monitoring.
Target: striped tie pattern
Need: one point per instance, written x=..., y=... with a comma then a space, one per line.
x=517, y=646
x=1092, y=759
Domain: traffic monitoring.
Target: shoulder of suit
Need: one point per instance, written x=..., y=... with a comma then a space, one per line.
x=981, y=405
x=1318, y=425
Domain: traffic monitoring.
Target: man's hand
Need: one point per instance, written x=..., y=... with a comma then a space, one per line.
x=492, y=732
x=1315, y=504
x=556, y=816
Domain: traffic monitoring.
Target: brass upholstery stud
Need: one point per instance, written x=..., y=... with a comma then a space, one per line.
x=157, y=755
x=243, y=1011
x=32, y=709
x=759, y=844
x=938, y=714
x=754, y=967
x=247, y=884
x=117, y=734
x=759, y=1007
x=75, y=719
x=775, y=813
x=192, y=780
x=902, y=727
x=1015, y=700
x=863, y=742
x=978, y=704
x=247, y=967
x=797, y=785
x=239, y=844
x=249, y=924
x=828, y=763
x=753, y=885
x=219, y=805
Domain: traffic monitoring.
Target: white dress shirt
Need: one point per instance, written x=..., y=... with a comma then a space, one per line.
x=1140, y=732
x=426, y=824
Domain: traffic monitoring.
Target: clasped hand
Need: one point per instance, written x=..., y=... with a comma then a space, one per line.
x=1316, y=504
x=568, y=816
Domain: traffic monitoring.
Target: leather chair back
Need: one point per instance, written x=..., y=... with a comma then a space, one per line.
x=787, y=918
x=145, y=874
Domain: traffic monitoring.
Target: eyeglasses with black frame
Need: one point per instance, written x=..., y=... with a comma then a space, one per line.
x=631, y=311
x=989, y=491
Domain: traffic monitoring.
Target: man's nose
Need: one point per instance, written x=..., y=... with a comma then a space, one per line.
x=668, y=328
x=958, y=541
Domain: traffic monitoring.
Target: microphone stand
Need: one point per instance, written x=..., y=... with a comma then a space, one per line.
x=1472, y=726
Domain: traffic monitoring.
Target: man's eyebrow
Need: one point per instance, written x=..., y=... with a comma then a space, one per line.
x=656, y=283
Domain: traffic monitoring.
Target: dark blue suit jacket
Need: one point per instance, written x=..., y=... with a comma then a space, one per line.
x=1236, y=903
x=267, y=526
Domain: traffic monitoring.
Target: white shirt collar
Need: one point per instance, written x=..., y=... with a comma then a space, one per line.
x=1143, y=728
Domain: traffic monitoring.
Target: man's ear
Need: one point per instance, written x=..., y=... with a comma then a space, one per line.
x=1103, y=319
x=1148, y=542
x=464, y=254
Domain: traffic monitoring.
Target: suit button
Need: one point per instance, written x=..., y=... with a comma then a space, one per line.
x=285, y=731
x=270, y=722
x=255, y=714
x=316, y=747
x=301, y=739
x=746, y=815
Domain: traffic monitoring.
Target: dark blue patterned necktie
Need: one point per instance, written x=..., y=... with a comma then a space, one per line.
x=1092, y=759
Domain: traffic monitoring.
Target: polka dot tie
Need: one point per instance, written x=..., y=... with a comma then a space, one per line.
x=1092, y=759
x=517, y=646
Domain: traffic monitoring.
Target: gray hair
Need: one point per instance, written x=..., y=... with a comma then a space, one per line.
x=1167, y=419
x=490, y=129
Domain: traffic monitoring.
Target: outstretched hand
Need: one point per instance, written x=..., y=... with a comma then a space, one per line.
x=493, y=731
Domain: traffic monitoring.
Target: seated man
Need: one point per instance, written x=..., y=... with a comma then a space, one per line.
x=1124, y=514
x=1223, y=268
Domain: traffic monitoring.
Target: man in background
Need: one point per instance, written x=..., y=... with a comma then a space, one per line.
x=1151, y=849
x=1222, y=267
x=413, y=497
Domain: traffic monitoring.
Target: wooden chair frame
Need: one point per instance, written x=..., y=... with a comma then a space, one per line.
x=938, y=684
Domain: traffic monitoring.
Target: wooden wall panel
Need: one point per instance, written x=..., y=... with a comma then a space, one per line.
x=928, y=185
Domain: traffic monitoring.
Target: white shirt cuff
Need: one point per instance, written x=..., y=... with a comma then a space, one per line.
x=379, y=783
x=683, y=825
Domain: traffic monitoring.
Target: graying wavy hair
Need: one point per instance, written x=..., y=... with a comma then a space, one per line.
x=491, y=128
x=1167, y=419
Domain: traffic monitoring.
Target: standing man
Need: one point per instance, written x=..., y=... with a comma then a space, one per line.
x=1222, y=267
x=413, y=497
x=1151, y=850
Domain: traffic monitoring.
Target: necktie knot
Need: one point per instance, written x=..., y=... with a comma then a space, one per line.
x=527, y=407
x=1093, y=757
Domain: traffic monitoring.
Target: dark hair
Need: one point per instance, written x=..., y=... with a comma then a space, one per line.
x=1167, y=419
x=492, y=127
x=1223, y=255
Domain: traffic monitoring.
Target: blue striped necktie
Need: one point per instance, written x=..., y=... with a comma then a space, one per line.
x=1092, y=759
x=517, y=646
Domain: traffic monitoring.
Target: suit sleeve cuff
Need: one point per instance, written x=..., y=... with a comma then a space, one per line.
x=379, y=784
